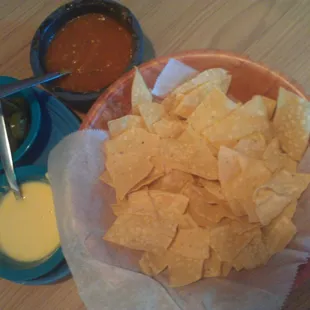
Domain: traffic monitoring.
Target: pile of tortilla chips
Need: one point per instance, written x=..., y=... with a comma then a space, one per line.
x=204, y=184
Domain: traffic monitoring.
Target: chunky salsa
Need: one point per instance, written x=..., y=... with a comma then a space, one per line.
x=96, y=48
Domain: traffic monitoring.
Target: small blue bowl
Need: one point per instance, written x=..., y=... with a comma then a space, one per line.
x=19, y=271
x=35, y=117
x=56, y=21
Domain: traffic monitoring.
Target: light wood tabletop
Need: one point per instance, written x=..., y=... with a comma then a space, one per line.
x=275, y=32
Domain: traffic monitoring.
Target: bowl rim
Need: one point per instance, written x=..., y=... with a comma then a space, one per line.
x=27, y=173
x=59, y=273
x=91, y=115
x=38, y=69
x=35, y=117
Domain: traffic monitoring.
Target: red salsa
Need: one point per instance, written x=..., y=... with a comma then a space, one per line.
x=96, y=48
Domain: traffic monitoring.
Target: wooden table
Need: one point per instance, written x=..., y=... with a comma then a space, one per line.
x=275, y=32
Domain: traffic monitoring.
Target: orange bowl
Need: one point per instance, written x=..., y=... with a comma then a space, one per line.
x=248, y=79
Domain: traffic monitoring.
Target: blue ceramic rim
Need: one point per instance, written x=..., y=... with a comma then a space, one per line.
x=50, y=278
x=28, y=173
x=35, y=117
x=35, y=57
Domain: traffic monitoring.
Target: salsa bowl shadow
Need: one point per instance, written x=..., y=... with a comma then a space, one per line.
x=58, y=19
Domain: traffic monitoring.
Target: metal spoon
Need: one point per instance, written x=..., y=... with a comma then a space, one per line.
x=6, y=157
x=7, y=90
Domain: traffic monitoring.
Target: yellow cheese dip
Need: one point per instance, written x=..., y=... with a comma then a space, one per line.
x=28, y=228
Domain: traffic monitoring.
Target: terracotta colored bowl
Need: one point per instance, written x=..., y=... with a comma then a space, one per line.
x=249, y=78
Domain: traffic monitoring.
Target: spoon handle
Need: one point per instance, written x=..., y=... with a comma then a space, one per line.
x=6, y=156
x=7, y=90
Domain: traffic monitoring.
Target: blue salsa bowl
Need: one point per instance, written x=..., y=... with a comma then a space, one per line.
x=19, y=271
x=35, y=117
x=57, y=20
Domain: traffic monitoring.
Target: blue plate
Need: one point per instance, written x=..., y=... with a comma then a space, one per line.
x=57, y=122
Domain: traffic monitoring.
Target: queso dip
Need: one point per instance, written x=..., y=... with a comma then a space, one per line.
x=28, y=228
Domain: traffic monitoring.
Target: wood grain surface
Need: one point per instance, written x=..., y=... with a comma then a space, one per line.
x=275, y=32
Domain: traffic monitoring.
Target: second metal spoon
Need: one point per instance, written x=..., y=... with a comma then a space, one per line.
x=6, y=157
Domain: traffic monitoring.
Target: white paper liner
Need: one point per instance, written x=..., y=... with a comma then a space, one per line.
x=174, y=74
x=109, y=278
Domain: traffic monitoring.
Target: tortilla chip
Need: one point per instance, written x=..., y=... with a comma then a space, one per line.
x=184, y=270
x=153, y=176
x=292, y=123
x=241, y=225
x=276, y=160
x=172, y=182
x=185, y=221
x=154, y=263
x=249, y=118
x=287, y=183
x=140, y=203
x=270, y=105
x=213, y=187
x=126, y=171
x=141, y=233
x=156, y=173
x=255, y=254
x=212, y=266
x=197, y=205
x=210, y=198
x=227, y=243
x=120, y=208
x=191, y=243
x=213, y=108
x=151, y=113
x=145, y=265
x=269, y=204
x=189, y=158
x=287, y=163
x=190, y=101
x=106, y=178
x=118, y=126
x=240, y=176
x=290, y=210
x=170, y=102
x=192, y=137
x=217, y=77
x=226, y=268
x=242, y=188
x=203, y=212
x=139, y=92
x=278, y=234
x=135, y=140
x=166, y=128
x=168, y=205
x=253, y=145
x=228, y=165
x=275, y=195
